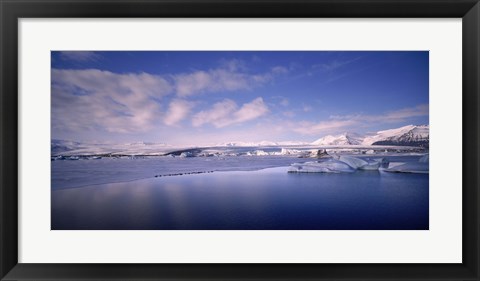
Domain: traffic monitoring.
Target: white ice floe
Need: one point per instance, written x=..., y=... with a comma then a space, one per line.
x=287, y=151
x=353, y=162
x=414, y=168
x=187, y=154
x=341, y=164
x=260, y=153
x=420, y=167
x=361, y=164
x=329, y=166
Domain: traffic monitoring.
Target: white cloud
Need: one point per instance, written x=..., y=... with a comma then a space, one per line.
x=177, y=111
x=214, y=81
x=399, y=115
x=310, y=128
x=250, y=111
x=232, y=77
x=219, y=112
x=226, y=113
x=101, y=100
x=96, y=100
x=337, y=123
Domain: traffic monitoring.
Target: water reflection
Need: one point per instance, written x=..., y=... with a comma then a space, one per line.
x=265, y=199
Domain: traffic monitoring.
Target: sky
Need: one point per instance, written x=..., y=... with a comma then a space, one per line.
x=212, y=97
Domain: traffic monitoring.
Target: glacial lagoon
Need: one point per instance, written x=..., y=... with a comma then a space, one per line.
x=237, y=193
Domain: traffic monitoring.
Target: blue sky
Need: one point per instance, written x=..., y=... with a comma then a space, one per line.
x=199, y=97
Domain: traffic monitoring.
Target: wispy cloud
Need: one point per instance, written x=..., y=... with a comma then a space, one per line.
x=231, y=77
x=279, y=70
x=226, y=113
x=214, y=81
x=338, y=123
x=92, y=99
x=311, y=128
x=334, y=64
x=177, y=111
x=79, y=56
x=101, y=100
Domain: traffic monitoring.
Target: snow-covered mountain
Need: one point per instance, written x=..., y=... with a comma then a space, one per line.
x=410, y=135
x=343, y=139
x=262, y=143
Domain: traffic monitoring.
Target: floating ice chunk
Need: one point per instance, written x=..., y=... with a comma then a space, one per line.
x=187, y=154
x=424, y=159
x=370, y=166
x=261, y=153
x=353, y=162
x=256, y=153
x=286, y=151
x=360, y=164
x=412, y=167
x=375, y=164
x=329, y=166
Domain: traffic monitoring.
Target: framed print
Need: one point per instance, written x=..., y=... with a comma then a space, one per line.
x=229, y=140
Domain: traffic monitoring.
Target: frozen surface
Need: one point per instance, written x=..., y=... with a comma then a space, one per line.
x=70, y=174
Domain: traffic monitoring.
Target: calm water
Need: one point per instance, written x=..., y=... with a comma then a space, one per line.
x=248, y=200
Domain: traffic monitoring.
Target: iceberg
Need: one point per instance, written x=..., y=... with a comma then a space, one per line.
x=368, y=164
x=341, y=164
x=186, y=154
x=260, y=153
x=286, y=151
x=329, y=166
x=420, y=167
x=414, y=168
x=353, y=162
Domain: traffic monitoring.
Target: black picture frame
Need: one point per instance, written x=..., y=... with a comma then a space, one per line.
x=12, y=10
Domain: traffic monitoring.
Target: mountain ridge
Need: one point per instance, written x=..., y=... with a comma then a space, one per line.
x=410, y=135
